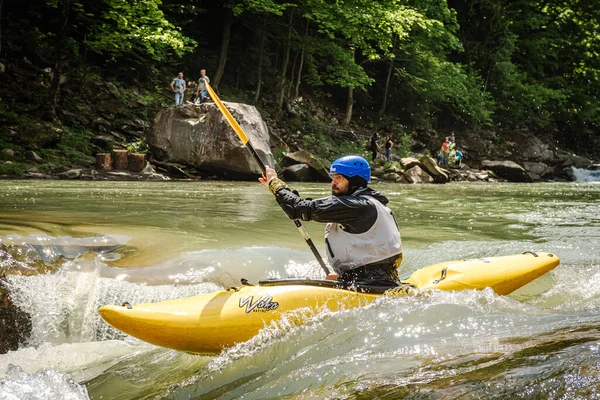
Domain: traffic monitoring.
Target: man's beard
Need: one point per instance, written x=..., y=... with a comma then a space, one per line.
x=333, y=193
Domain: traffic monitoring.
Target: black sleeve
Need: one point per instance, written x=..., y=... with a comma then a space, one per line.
x=355, y=213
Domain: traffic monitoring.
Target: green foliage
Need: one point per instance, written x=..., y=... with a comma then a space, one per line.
x=139, y=146
x=12, y=169
x=136, y=26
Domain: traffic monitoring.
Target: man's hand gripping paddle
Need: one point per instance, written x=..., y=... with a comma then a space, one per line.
x=246, y=141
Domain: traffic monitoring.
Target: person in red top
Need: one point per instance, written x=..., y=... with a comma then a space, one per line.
x=445, y=145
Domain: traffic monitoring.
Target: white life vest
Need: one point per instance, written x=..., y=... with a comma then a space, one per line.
x=347, y=251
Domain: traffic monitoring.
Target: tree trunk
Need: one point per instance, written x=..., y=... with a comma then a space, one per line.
x=260, y=60
x=301, y=61
x=58, y=67
x=387, y=86
x=292, y=74
x=348, y=116
x=1, y=3
x=286, y=59
x=224, y=47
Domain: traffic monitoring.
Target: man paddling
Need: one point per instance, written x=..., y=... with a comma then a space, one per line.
x=362, y=238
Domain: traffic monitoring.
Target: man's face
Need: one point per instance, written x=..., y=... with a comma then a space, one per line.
x=180, y=75
x=339, y=185
x=202, y=72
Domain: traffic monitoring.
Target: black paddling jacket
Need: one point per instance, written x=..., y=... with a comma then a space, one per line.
x=355, y=213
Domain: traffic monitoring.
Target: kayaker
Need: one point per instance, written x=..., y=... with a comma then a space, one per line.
x=362, y=238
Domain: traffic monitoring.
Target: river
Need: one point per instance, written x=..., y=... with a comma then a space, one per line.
x=184, y=238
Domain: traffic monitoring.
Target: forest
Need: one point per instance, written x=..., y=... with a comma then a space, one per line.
x=456, y=65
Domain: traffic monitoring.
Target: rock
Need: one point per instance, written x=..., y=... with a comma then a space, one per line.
x=38, y=175
x=32, y=155
x=392, y=168
x=537, y=170
x=140, y=123
x=377, y=171
x=298, y=173
x=112, y=89
x=417, y=175
x=8, y=153
x=527, y=147
x=508, y=170
x=103, y=141
x=402, y=179
x=2, y=68
x=535, y=167
x=7, y=162
x=431, y=167
x=70, y=174
x=174, y=170
x=102, y=125
x=390, y=176
x=482, y=176
x=320, y=167
x=199, y=136
x=409, y=162
x=572, y=160
x=148, y=169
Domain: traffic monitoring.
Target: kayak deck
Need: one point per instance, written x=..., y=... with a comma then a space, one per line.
x=210, y=322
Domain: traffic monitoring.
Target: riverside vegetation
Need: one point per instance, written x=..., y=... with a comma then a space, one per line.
x=82, y=77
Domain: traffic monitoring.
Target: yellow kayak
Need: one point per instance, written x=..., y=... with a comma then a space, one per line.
x=208, y=323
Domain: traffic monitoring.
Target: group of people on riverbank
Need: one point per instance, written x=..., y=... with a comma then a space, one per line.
x=374, y=147
x=449, y=155
x=179, y=86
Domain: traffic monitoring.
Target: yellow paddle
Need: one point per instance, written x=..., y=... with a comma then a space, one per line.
x=246, y=141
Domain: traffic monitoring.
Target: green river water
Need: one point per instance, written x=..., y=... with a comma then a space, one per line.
x=187, y=238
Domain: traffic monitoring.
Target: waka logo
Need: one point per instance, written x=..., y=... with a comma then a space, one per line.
x=263, y=304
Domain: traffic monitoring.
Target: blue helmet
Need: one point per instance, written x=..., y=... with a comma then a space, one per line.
x=351, y=166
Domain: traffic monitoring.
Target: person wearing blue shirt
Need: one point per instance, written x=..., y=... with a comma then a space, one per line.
x=178, y=85
x=459, y=157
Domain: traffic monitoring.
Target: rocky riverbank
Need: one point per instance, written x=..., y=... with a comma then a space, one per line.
x=193, y=142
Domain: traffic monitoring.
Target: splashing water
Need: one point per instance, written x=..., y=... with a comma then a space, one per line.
x=539, y=342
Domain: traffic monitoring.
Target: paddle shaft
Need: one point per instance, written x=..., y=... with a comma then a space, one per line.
x=246, y=141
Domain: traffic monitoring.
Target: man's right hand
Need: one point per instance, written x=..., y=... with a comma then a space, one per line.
x=269, y=174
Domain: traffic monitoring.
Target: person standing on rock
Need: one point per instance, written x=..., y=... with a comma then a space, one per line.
x=362, y=238
x=374, y=146
x=201, y=92
x=388, y=148
x=452, y=138
x=178, y=85
x=459, y=157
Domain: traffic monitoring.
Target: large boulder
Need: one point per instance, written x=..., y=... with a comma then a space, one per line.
x=199, y=136
x=390, y=176
x=537, y=170
x=572, y=160
x=417, y=175
x=526, y=146
x=298, y=173
x=430, y=166
x=320, y=167
x=508, y=170
x=409, y=162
